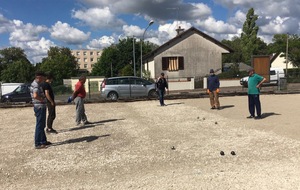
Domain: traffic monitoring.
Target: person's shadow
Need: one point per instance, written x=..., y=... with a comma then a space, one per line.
x=172, y=104
x=226, y=106
x=264, y=115
x=81, y=139
x=90, y=125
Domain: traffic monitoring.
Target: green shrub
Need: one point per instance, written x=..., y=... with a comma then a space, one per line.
x=62, y=89
x=232, y=74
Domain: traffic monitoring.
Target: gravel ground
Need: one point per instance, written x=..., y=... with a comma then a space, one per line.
x=140, y=145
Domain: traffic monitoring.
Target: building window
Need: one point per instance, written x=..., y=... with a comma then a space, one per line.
x=85, y=60
x=91, y=53
x=77, y=53
x=172, y=63
x=98, y=53
x=84, y=53
x=92, y=59
x=85, y=66
x=78, y=59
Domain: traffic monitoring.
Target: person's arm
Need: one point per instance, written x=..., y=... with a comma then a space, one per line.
x=37, y=97
x=76, y=90
x=218, y=85
x=49, y=98
x=260, y=83
x=167, y=85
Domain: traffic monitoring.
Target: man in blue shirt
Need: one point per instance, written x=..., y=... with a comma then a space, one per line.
x=213, y=89
x=161, y=86
x=254, y=83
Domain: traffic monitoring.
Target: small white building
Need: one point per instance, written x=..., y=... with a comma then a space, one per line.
x=278, y=61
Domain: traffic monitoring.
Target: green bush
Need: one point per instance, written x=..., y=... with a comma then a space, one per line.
x=293, y=75
x=233, y=74
x=62, y=89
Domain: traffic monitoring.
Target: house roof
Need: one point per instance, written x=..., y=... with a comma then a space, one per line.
x=187, y=32
x=274, y=56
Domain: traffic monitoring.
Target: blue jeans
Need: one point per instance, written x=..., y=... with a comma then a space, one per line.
x=161, y=93
x=254, y=102
x=40, y=114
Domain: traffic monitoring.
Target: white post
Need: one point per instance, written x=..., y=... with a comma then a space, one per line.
x=204, y=83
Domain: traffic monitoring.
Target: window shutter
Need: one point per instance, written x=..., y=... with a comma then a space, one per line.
x=164, y=63
x=181, y=63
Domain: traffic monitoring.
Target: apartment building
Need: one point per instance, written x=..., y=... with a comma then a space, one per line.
x=87, y=58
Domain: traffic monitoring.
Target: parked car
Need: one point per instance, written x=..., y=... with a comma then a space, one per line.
x=125, y=87
x=20, y=94
x=275, y=75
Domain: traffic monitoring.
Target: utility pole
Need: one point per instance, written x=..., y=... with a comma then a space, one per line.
x=286, y=55
x=133, y=55
x=111, y=73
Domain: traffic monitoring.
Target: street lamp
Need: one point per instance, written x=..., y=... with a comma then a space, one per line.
x=149, y=24
x=133, y=55
x=286, y=54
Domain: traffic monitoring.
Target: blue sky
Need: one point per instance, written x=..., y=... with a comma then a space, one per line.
x=36, y=25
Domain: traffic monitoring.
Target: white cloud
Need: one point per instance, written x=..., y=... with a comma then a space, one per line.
x=67, y=34
x=25, y=32
x=27, y=37
x=218, y=27
x=35, y=50
x=98, y=18
x=200, y=10
x=132, y=30
x=5, y=24
x=104, y=41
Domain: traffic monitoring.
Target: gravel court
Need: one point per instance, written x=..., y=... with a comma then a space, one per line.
x=140, y=145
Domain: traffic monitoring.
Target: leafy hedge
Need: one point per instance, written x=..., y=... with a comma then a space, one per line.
x=62, y=89
x=231, y=74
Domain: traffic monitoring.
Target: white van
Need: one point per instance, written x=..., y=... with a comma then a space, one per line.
x=6, y=88
x=275, y=75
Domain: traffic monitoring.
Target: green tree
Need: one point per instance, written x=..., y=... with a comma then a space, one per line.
x=106, y=64
x=249, y=38
x=11, y=55
x=61, y=63
x=18, y=71
x=294, y=50
x=278, y=44
x=127, y=70
x=117, y=60
x=237, y=55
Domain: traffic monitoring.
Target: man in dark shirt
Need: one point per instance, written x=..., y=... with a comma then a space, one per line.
x=50, y=103
x=161, y=85
x=213, y=89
